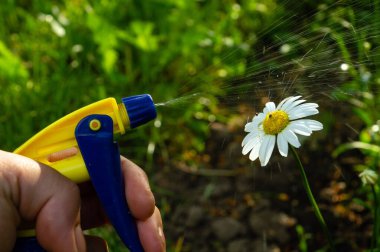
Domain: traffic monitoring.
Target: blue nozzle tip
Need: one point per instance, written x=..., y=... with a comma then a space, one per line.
x=140, y=109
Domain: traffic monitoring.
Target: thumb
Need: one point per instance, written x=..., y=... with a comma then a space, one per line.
x=34, y=192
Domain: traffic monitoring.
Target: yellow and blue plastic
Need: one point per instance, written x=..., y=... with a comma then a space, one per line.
x=81, y=146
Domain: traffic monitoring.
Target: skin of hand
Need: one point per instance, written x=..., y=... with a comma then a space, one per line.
x=60, y=209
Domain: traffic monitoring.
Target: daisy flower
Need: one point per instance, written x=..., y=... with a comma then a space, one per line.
x=279, y=124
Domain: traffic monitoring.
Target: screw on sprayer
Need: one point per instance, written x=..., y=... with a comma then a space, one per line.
x=139, y=108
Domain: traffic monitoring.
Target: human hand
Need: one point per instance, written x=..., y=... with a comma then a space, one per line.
x=30, y=191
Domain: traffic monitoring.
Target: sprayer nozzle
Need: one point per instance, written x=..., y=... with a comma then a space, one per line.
x=140, y=109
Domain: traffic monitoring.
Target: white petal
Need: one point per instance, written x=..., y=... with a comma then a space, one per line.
x=302, y=113
x=266, y=149
x=309, y=104
x=263, y=147
x=251, y=143
x=249, y=127
x=246, y=139
x=291, y=138
x=293, y=105
x=255, y=151
x=300, y=127
x=258, y=119
x=270, y=106
x=289, y=102
x=313, y=124
x=282, y=145
x=249, y=137
x=301, y=107
x=283, y=101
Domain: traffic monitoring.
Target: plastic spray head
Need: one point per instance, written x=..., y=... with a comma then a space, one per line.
x=139, y=109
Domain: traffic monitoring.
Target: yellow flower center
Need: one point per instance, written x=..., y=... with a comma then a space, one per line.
x=275, y=122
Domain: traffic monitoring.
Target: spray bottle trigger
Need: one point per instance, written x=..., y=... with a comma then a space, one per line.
x=94, y=135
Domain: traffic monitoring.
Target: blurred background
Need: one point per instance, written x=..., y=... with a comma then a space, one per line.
x=211, y=65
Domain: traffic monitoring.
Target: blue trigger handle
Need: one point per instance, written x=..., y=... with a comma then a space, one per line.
x=101, y=156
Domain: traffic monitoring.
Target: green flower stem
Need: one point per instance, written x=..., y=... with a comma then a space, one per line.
x=375, y=231
x=314, y=204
